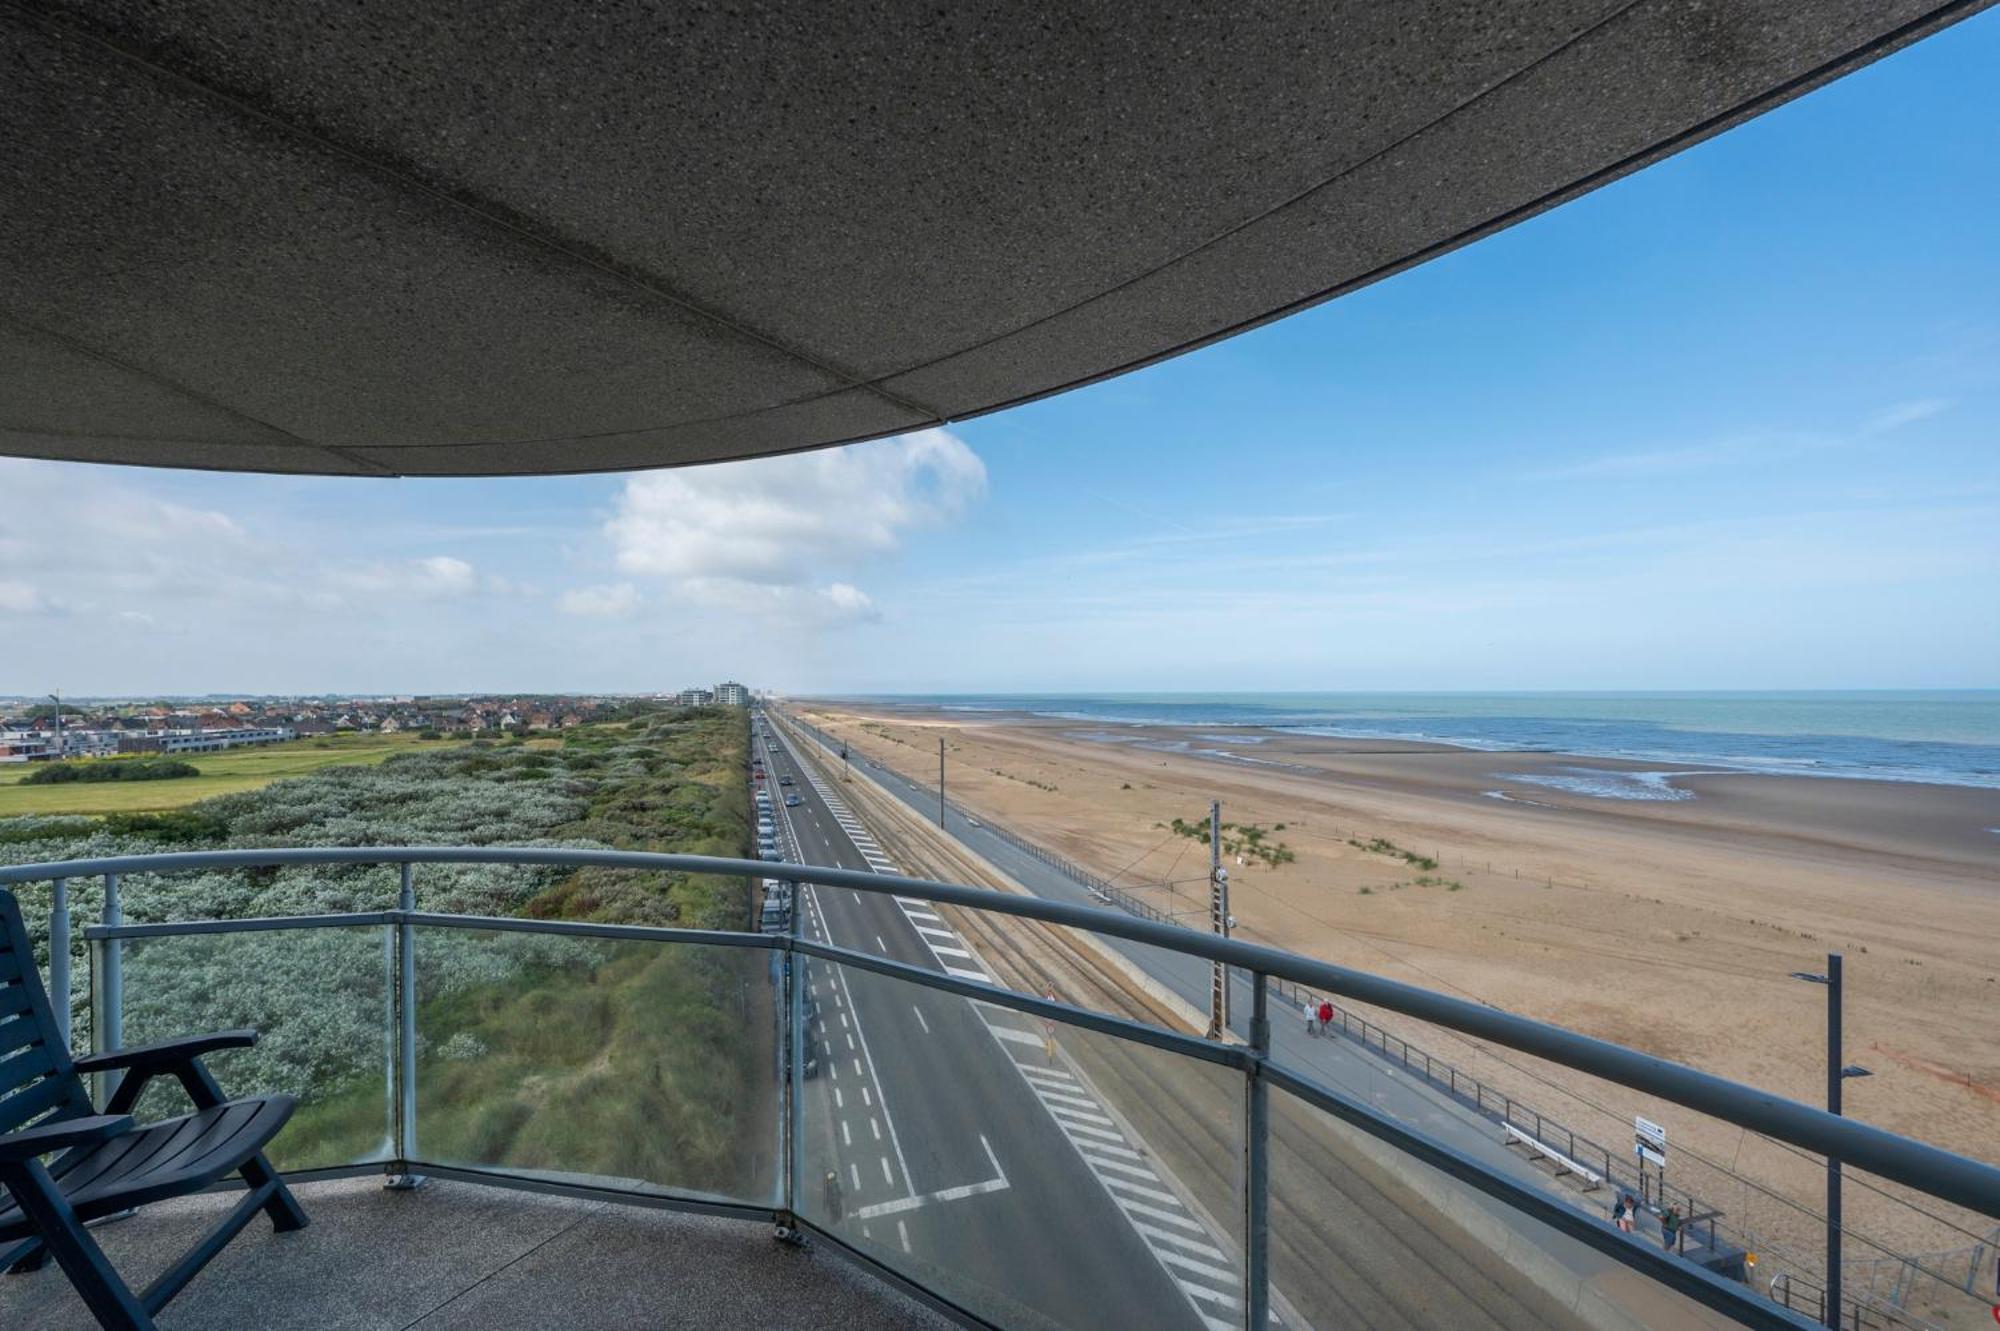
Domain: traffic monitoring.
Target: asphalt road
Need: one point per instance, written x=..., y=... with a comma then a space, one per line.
x=967, y=1150
x=1392, y=1092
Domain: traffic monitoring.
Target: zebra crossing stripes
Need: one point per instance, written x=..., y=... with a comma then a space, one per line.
x=945, y=946
x=1207, y=1276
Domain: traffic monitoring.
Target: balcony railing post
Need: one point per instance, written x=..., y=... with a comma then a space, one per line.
x=795, y=1055
x=59, y=957
x=406, y=1030
x=107, y=1022
x=1256, y=1166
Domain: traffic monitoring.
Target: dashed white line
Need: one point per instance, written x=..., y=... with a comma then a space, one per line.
x=920, y=1018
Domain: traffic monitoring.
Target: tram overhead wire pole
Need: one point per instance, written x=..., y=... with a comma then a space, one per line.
x=1219, y=922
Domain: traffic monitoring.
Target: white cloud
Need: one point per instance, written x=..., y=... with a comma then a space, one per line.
x=849, y=602
x=770, y=530
x=19, y=598
x=617, y=599
x=1905, y=413
x=434, y=577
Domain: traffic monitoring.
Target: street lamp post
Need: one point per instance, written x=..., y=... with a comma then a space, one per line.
x=1836, y=1073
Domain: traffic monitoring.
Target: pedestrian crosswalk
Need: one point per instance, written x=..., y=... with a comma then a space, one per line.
x=1141, y=1187
x=1208, y=1277
x=952, y=956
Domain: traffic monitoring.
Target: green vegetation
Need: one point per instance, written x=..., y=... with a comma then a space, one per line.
x=629, y=1059
x=1422, y=880
x=1024, y=780
x=117, y=769
x=224, y=773
x=1384, y=846
x=1245, y=839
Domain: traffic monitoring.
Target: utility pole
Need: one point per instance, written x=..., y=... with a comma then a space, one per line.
x=1836, y=1073
x=940, y=781
x=1218, y=920
x=56, y=698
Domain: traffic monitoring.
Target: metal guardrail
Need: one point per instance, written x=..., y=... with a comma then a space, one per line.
x=1967, y=1182
x=1509, y=1111
x=1463, y=1086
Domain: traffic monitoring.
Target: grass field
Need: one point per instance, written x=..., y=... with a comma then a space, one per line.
x=221, y=774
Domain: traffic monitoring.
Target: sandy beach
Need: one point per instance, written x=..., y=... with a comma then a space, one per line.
x=1669, y=923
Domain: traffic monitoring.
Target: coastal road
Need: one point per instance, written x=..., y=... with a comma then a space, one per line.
x=1335, y=1063
x=967, y=1150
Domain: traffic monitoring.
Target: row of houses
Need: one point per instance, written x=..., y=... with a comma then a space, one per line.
x=107, y=730
x=21, y=743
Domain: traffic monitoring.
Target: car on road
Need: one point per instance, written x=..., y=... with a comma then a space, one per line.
x=791, y=801
x=784, y=781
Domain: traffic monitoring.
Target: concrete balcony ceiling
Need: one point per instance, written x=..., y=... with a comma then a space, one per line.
x=494, y=237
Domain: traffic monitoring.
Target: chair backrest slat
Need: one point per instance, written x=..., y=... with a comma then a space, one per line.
x=37, y=1076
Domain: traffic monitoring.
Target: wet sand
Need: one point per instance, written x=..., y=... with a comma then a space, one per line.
x=1668, y=924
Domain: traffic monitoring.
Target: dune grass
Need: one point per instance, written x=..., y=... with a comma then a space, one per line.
x=224, y=773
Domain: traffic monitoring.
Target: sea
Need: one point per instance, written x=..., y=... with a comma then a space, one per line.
x=1943, y=737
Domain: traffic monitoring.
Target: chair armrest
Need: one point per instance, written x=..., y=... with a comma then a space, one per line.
x=46, y=1137
x=165, y=1056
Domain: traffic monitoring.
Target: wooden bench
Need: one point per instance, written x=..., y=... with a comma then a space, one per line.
x=1513, y=1136
x=107, y=1163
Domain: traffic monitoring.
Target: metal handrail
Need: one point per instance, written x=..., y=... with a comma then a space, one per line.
x=1944, y=1174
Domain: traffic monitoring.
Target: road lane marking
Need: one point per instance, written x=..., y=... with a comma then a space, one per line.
x=1199, y=1246
x=998, y=1183
x=1018, y=1037
x=1212, y=1295
x=1182, y=1218
x=920, y=1018
x=903, y=1235
x=887, y=1177
x=1102, y=1134
x=845, y=1139
x=875, y=1126
x=1140, y=1188
x=1102, y=1149
x=1053, y=1096
x=1066, y=1114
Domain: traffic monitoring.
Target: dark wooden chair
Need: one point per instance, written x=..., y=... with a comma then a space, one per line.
x=106, y=1163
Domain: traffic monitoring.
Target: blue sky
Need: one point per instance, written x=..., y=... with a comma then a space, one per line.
x=1730, y=423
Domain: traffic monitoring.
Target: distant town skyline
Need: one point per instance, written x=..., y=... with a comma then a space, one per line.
x=1728, y=423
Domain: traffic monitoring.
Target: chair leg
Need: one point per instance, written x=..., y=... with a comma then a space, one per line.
x=30, y=1256
x=285, y=1212
x=107, y=1296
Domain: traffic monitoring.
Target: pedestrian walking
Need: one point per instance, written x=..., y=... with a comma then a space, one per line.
x=1624, y=1214
x=1325, y=1015
x=1670, y=1228
x=1307, y=1007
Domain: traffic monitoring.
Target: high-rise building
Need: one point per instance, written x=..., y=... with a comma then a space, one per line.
x=732, y=694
